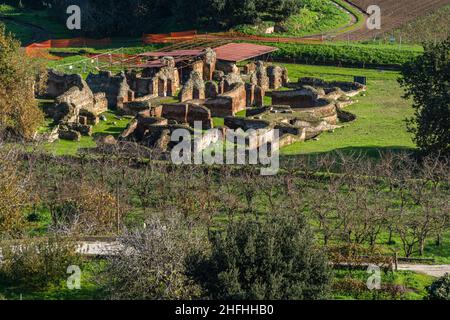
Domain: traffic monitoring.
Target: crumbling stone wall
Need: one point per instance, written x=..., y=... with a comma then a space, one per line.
x=142, y=86
x=229, y=81
x=278, y=77
x=58, y=83
x=77, y=100
x=188, y=113
x=262, y=79
x=228, y=103
x=155, y=133
x=194, y=88
x=350, y=89
x=226, y=67
x=254, y=95
x=211, y=89
x=115, y=87
x=305, y=97
x=209, y=66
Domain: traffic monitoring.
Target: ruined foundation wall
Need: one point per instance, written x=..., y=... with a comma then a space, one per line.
x=229, y=103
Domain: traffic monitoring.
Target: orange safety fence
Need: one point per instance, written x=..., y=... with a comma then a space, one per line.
x=169, y=37
x=36, y=49
x=183, y=33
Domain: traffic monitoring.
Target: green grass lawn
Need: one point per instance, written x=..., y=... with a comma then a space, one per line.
x=415, y=284
x=89, y=288
x=113, y=126
x=380, y=114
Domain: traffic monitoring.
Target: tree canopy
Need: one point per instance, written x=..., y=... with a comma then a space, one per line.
x=427, y=81
x=19, y=114
x=131, y=17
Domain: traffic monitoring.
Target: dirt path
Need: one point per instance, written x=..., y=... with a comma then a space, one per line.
x=431, y=270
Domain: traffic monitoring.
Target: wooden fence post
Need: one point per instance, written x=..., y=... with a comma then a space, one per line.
x=396, y=261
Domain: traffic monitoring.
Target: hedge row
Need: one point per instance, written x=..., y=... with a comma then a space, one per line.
x=351, y=55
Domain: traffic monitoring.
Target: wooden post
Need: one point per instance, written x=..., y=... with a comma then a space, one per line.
x=395, y=261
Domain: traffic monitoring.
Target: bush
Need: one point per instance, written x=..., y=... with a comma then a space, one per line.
x=273, y=258
x=440, y=289
x=37, y=263
x=92, y=211
x=149, y=264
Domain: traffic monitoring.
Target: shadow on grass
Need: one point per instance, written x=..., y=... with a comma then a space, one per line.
x=371, y=152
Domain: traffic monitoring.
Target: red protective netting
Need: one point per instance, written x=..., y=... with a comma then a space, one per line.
x=169, y=37
x=39, y=50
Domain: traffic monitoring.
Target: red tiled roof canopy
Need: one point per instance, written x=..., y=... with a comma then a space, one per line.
x=236, y=52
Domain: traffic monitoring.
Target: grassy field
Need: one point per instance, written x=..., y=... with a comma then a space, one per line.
x=380, y=114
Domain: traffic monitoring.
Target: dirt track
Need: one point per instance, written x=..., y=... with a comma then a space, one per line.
x=394, y=13
x=431, y=270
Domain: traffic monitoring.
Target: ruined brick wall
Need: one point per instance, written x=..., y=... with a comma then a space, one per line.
x=300, y=98
x=275, y=74
x=209, y=60
x=175, y=111
x=187, y=113
x=201, y=114
x=116, y=88
x=254, y=95
x=166, y=82
x=58, y=83
x=229, y=103
x=68, y=106
x=142, y=86
x=194, y=88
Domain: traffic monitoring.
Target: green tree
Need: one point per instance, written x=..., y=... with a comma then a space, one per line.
x=19, y=113
x=272, y=258
x=427, y=81
x=440, y=289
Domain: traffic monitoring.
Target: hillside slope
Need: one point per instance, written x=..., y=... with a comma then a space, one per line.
x=394, y=14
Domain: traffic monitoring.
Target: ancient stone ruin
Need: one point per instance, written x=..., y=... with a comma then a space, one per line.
x=202, y=90
x=75, y=110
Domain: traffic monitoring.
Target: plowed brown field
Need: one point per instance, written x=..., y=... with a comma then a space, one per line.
x=394, y=13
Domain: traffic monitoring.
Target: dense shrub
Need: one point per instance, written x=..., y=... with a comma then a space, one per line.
x=37, y=263
x=91, y=211
x=440, y=289
x=149, y=264
x=273, y=258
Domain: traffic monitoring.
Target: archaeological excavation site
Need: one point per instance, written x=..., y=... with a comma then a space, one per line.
x=234, y=86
